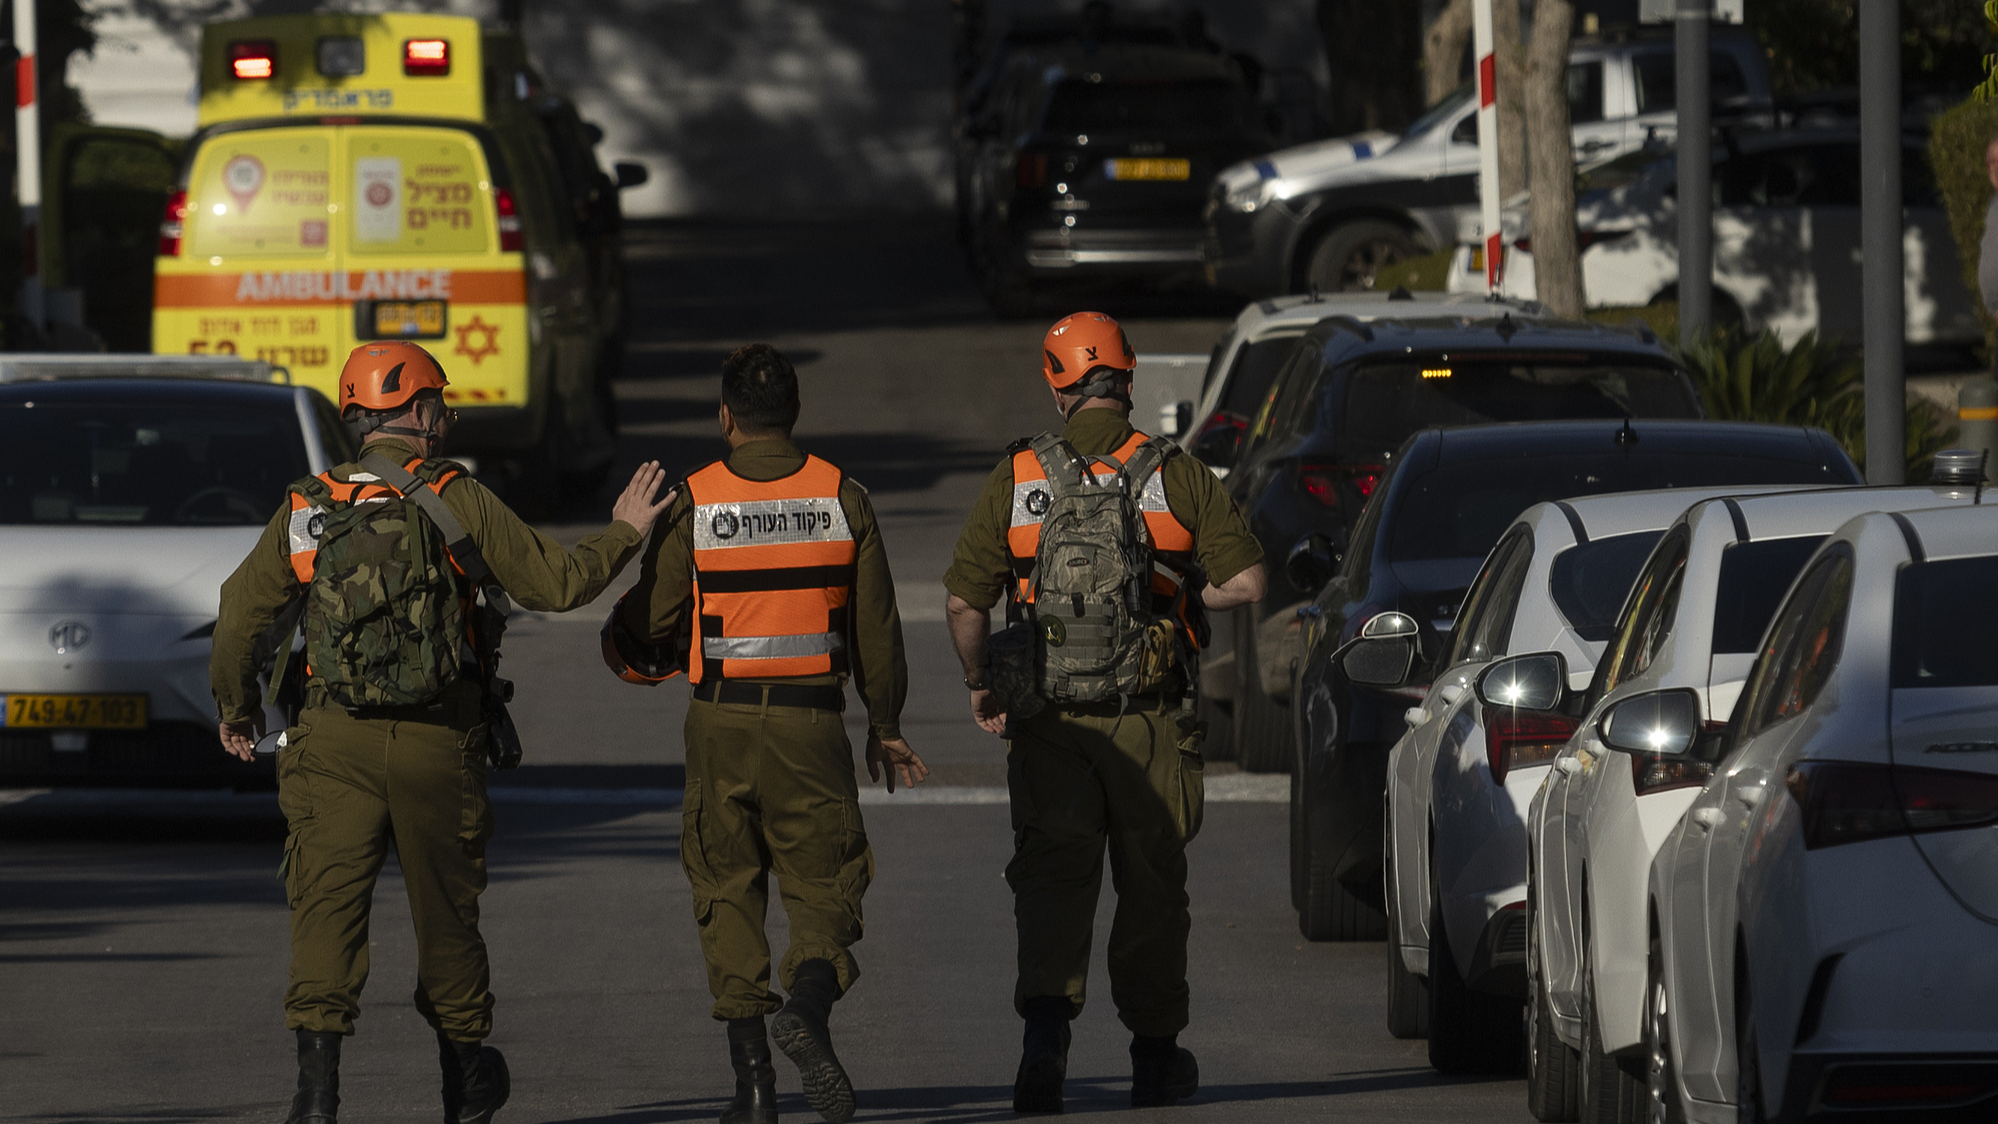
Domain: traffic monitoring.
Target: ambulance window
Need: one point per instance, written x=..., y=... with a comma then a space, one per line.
x=263, y=192
x=416, y=191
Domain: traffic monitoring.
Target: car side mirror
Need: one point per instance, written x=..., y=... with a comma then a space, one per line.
x=1384, y=653
x=1661, y=723
x=1533, y=682
x=630, y=174
x=1311, y=563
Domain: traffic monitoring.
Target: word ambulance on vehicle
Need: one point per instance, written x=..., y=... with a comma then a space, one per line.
x=397, y=176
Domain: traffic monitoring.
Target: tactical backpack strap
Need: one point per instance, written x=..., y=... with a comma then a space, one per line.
x=463, y=550
x=1148, y=458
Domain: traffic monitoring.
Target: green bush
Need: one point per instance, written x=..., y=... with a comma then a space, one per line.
x=1813, y=382
x=1662, y=318
x=1429, y=271
x=1957, y=138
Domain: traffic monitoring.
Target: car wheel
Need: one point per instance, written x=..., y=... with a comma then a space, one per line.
x=1349, y=257
x=1552, y=1067
x=1747, y=1059
x=1469, y=1031
x=1408, y=993
x=1611, y=1093
x=1262, y=728
x=1662, y=1105
x=1327, y=911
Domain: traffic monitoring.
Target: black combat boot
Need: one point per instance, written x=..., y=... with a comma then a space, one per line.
x=1043, y=1055
x=318, y=1098
x=1162, y=1071
x=755, y=1078
x=800, y=1030
x=476, y=1082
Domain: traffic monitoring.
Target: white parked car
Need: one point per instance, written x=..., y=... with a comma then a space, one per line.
x=1786, y=241
x=1461, y=780
x=1693, y=620
x=130, y=487
x=1824, y=920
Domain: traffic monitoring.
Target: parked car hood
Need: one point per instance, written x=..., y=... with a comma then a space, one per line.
x=1306, y=165
x=176, y=571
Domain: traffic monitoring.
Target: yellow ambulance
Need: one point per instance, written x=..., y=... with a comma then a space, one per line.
x=364, y=177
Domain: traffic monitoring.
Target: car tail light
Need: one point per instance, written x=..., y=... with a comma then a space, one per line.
x=1515, y=738
x=509, y=221
x=1031, y=170
x=1846, y=802
x=426, y=58
x=1322, y=481
x=172, y=224
x=1882, y=1085
x=253, y=59
x=1651, y=773
x=1583, y=239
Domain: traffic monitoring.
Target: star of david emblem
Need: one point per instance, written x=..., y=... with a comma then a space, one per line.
x=489, y=339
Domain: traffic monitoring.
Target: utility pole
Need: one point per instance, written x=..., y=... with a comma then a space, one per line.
x=1696, y=169
x=1489, y=188
x=28, y=162
x=1880, y=230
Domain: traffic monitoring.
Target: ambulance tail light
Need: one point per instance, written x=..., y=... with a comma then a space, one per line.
x=252, y=60
x=426, y=58
x=172, y=223
x=509, y=221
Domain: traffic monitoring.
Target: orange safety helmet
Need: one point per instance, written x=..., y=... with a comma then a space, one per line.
x=386, y=375
x=1081, y=343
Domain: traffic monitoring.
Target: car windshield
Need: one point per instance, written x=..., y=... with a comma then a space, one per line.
x=1178, y=107
x=1459, y=510
x=1589, y=581
x=1944, y=617
x=1255, y=369
x=1753, y=578
x=157, y=464
x=1385, y=402
x=1438, y=113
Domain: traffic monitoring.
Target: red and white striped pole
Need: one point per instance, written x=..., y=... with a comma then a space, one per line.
x=1488, y=141
x=28, y=161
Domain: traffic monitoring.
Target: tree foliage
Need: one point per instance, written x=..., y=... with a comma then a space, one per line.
x=1957, y=139
x=1814, y=44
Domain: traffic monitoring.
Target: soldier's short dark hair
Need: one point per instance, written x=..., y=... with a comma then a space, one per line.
x=760, y=387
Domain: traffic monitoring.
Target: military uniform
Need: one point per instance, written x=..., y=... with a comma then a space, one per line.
x=1122, y=774
x=354, y=783
x=780, y=560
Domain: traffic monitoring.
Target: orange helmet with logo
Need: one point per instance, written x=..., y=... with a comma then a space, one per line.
x=1080, y=344
x=386, y=375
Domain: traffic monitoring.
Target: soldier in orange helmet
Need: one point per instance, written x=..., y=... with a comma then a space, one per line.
x=390, y=746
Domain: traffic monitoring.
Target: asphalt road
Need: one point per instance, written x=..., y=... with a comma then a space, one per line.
x=142, y=938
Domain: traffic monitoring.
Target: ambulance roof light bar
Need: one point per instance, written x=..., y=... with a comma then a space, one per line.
x=253, y=59
x=426, y=58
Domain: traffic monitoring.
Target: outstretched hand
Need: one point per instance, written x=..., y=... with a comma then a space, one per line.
x=634, y=505
x=892, y=756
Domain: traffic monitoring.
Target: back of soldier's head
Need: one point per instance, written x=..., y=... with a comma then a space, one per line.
x=760, y=389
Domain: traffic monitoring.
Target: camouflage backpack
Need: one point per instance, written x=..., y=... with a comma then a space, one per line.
x=1092, y=578
x=384, y=613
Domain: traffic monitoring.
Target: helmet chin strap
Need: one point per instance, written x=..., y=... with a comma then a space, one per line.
x=1100, y=386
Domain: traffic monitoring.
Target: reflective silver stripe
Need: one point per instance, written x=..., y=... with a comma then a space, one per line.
x=1031, y=494
x=718, y=526
x=772, y=647
x=300, y=531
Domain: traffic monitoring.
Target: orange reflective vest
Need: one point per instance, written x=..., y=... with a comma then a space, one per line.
x=773, y=574
x=302, y=539
x=1172, y=542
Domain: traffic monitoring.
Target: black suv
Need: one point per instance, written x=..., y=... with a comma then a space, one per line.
x=1349, y=394
x=1094, y=160
x=1370, y=634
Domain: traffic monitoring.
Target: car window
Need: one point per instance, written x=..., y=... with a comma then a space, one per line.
x=1658, y=79
x=1357, y=566
x=260, y=193
x=1802, y=650
x=1818, y=175
x=416, y=191
x=1493, y=599
x=1585, y=92
x=1451, y=103
x=1079, y=106
x=148, y=463
x=1255, y=368
x=1589, y=582
x=1753, y=578
x=1385, y=402
x=1283, y=406
x=115, y=188
x=1944, y=621
x=334, y=436
x=1635, y=625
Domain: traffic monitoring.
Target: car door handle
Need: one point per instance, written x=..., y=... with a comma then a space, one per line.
x=1569, y=765
x=1707, y=818
x=1750, y=795
x=1595, y=145
x=1451, y=693
x=1414, y=716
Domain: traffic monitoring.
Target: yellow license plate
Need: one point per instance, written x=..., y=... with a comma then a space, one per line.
x=87, y=712
x=1148, y=169
x=406, y=320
